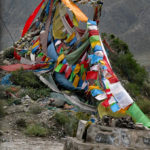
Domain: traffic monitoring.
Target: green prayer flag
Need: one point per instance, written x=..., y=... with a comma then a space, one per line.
x=72, y=76
x=73, y=57
x=40, y=54
x=58, y=68
x=94, y=38
x=82, y=70
x=138, y=116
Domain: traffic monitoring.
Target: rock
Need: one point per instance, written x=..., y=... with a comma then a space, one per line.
x=139, y=126
x=57, y=102
x=75, y=144
x=26, y=100
x=135, y=139
x=1, y=133
x=81, y=129
x=1, y=52
x=6, y=62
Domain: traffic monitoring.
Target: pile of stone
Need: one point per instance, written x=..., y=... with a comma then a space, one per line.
x=124, y=122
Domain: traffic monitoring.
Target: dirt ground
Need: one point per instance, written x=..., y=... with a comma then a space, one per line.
x=14, y=139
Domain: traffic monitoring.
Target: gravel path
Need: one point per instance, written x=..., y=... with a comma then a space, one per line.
x=28, y=144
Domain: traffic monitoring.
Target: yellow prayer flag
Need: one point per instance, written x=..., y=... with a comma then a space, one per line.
x=36, y=44
x=77, y=68
x=84, y=76
x=76, y=10
x=106, y=111
x=102, y=62
x=76, y=81
x=93, y=87
x=70, y=38
x=75, y=21
x=93, y=44
x=60, y=58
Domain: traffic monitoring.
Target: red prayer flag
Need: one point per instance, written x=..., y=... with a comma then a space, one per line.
x=43, y=58
x=18, y=57
x=69, y=20
x=85, y=63
x=105, y=103
x=68, y=72
x=37, y=66
x=63, y=68
x=59, y=48
x=93, y=32
x=113, y=79
x=31, y=18
x=92, y=75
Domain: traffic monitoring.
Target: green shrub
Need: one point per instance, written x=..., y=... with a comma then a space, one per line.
x=133, y=89
x=2, y=92
x=9, y=53
x=2, y=112
x=26, y=79
x=82, y=116
x=144, y=104
x=37, y=93
x=68, y=121
x=146, y=89
x=35, y=109
x=36, y=130
x=21, y=123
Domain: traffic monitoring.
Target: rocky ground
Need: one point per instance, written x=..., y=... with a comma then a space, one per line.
x=13, y=137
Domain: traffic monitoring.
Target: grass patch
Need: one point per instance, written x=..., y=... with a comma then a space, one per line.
x=36, y=130
x=21, y=123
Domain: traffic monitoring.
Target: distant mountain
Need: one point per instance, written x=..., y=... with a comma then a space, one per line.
x=128, y=19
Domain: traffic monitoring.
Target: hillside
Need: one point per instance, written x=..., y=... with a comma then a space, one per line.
x=130, y=21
